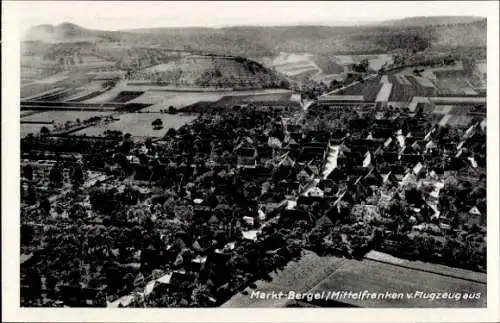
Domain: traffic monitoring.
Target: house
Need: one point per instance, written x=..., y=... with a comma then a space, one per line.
x=324, y=221
x=77, y=296
x=246, y=156
x=314, y=192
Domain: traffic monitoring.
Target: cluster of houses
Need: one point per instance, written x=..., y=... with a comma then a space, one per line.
x=245, y=170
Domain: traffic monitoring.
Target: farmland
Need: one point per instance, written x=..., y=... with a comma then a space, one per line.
x=300, y=276
x=33, y=128
x=63, y=116
x=139, y=124
x=377, y=273
x=368, y=89
x=379, y=277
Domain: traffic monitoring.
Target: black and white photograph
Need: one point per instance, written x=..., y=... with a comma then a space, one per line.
x=278, y=155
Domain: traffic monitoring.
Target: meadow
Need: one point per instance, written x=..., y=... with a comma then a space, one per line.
x=139, y=124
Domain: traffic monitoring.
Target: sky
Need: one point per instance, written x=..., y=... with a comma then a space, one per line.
x=115, y=15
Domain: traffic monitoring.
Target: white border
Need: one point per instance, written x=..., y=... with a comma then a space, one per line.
x=10, y=219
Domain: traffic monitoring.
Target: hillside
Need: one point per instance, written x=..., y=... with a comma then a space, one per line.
x=431, y=21
x=268, y=41
x=68, y=32
x=212, y=71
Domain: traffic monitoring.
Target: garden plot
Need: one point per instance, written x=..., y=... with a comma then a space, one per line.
x=139, y=124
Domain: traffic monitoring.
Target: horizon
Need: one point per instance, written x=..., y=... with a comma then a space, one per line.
x=122, y=16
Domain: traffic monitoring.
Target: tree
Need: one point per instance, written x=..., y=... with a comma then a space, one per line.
x=171, y=109
x=44, y=131
x=28, y=172
x=56, y=175
x=157, y=124
x=77, y=175
x=45, y=205
x=171, y=133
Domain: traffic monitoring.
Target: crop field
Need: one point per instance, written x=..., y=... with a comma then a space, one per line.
x=53, y=78
x=368, y=89
x=458, y=86
x=139, y=124
x=73, y=81
x=401, y=79
x=63, y=116
x=376, y=61
x=384, y=93
x=26, y=113
x=299, y=276
x=328, y=65
x=442, y=109
x=125, y=96
x=459, y=120
x=435, y=268
x=163, y=99
x=425, y=82
x=181, y=100
x=306, y=74
x=403, y=91
x=379, y=277
x=293, y=64
x=230, y=100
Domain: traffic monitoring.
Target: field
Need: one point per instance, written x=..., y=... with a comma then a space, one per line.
x=33, y=128
x=454, y=86
x=384, y=93
x=161, y=100
x=379, y=277
x=376, y=61
x=73, y=81
x=231, y=100
x=377, y=273
x=62, y=116
x=292, y=64
x=299, y=276
x=139, y=124
x=435, y=268
x=456, y=120
x=181, y=100
x=368, y=89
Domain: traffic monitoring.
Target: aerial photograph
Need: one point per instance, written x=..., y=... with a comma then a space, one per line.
x=274, y=161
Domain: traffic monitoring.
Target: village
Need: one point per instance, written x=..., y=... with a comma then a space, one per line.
x=196, y=216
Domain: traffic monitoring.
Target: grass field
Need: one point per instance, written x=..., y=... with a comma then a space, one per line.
x=63, y=116
x=181, y=100
x=376, y=61
x=384, y=93
x=379, y=277
x=300, y=276
x=27, y=128
x=378, y=273
x=139, y=124
x=230, y=100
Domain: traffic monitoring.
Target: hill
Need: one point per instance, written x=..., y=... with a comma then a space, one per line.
x=267, y=41
x=68, y=32
x=431, y=21
x=212, y=71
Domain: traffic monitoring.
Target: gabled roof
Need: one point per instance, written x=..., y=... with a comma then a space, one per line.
x=324, y=221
